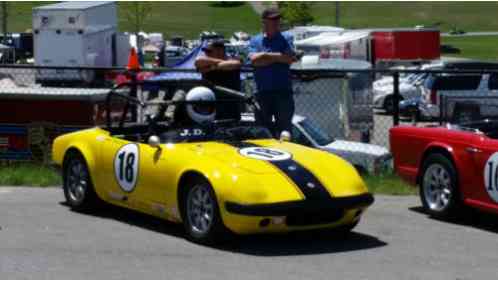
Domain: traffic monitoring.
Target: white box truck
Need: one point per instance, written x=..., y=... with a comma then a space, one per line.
x=76, y=34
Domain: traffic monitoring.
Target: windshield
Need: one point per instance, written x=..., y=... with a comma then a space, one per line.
x=315, y=132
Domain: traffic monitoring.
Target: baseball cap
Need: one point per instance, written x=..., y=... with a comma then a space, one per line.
x=214, y=44
x=270, y=13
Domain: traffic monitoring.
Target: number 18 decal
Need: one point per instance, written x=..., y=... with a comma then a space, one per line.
x=126, y=166
x=491, y=176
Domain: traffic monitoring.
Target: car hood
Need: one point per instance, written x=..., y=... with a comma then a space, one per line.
x=338, y=176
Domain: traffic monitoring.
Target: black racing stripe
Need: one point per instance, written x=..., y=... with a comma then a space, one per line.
x=309, y=185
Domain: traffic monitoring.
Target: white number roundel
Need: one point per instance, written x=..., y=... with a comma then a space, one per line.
x=491, y=176
x=126, y=166
x=264, y=153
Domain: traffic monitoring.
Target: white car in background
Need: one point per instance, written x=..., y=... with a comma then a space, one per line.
x=365, y=157
x=409, y=88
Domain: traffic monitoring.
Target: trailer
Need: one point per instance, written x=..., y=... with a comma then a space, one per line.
x=76, y=34
x=380, y=47
x=404, y=45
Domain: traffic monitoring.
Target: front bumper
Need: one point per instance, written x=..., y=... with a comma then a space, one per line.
x=297, y=207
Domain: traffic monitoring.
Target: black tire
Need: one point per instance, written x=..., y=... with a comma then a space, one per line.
x=389, y=104
x=75, y=171
x=216, y=231
x=439, y=191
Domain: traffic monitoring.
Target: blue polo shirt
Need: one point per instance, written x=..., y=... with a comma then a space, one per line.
x=276, y=76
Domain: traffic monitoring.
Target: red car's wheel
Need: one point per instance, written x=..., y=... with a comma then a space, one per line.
x=438, y=187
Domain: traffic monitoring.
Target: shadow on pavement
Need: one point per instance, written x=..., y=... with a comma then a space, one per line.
x=302, y=243
x=134, y=218
x=471, y=217
x=284, y=244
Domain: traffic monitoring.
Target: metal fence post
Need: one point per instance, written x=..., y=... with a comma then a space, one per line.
x=396, y=98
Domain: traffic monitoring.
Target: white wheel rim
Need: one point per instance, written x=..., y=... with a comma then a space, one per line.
x=200, y=209
x=437, y=187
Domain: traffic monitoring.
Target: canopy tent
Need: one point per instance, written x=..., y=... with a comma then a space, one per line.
x=188, y=62
x=327, y=39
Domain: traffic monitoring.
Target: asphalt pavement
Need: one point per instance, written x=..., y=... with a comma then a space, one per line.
x=41, y=238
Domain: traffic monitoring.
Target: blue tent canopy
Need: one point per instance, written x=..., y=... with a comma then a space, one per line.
x=187, y=63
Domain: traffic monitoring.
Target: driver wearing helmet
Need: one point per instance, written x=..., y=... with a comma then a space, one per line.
x=189, y=119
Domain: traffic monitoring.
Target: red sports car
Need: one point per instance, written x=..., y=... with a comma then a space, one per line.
x=453, y=165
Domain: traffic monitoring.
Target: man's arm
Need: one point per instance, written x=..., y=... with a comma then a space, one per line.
x=264, y=59
x=206, y=64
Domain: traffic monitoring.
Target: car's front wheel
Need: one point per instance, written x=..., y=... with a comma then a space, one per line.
x=438, y=187
x=77, y=184
x=201, y=215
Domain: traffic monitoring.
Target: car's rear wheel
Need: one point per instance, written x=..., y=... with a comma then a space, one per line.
x=439, y=188
x=77, y=184
x=201, y=215
x=389, y=104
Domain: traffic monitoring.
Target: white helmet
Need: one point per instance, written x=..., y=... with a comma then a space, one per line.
x=201, y=113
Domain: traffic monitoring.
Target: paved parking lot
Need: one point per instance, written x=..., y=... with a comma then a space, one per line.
x=42, y=239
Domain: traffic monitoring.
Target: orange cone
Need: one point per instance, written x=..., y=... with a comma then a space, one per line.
x=133, y=63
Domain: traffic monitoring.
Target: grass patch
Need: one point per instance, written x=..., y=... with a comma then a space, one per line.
x=187, y=19
x=468, y=16
x=476, y=47
x=190, y=18
x=25, y=174
x=388, y=183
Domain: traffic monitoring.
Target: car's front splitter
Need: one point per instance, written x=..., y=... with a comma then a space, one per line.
x=297, y=207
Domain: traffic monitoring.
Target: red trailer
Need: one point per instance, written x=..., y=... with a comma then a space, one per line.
x=405, y=44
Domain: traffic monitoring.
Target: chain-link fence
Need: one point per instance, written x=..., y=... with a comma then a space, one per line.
x=335, y=109
x=442, y=95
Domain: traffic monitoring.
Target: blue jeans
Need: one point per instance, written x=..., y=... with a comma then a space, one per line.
x=275, y=106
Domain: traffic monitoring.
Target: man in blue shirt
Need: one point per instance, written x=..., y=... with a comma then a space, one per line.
x=271, y=53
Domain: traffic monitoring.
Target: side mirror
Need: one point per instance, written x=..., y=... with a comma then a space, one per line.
x=154, y=141
x=285, y=136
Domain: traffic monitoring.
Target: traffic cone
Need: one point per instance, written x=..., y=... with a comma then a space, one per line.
x=133, y=63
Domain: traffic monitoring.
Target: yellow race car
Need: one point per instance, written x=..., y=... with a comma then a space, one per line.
x=225, y=177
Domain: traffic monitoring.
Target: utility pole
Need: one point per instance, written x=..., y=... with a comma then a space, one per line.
x=4, y=20
x=337, y=13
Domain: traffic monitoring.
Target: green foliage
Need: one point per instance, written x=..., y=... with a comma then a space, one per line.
x=296, y=13
x=28, y=174
x=135, y=13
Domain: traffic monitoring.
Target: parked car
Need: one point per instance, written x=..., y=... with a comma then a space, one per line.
x=466, y=97
x=409, y=88
x=454, y=165
x=365, y=157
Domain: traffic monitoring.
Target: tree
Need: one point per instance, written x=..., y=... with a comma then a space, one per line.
x=135, y=13
x=296, y=13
